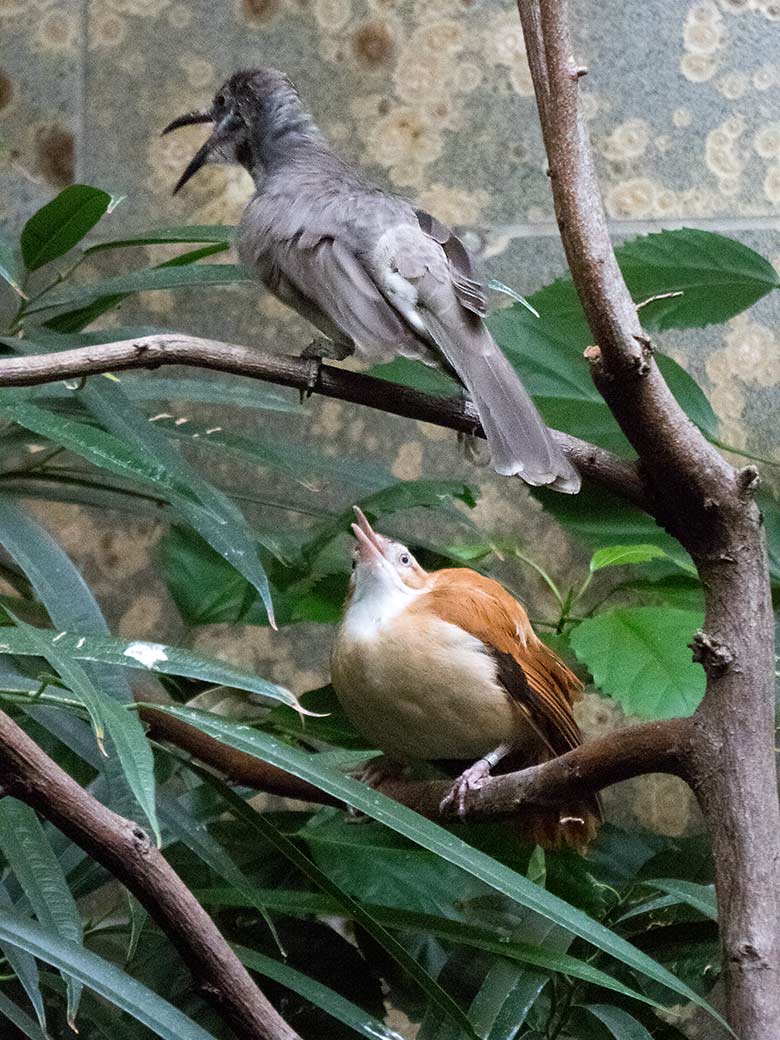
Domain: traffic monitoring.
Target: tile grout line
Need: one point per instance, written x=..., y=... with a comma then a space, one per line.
x=549, y=229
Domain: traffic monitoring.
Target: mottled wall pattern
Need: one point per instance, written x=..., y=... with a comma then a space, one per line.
x=434, y=99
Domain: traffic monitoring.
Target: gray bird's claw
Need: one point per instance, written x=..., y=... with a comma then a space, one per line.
x=470, y=780
x=313, y=367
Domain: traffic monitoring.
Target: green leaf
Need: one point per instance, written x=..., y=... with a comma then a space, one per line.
x=20, y=1019
x=101, y=977
x=639, y=656
x=411, y=494
x=273, y=836
x=107, y=716
x=620, y=1024
x=151, y=279
x=321, y=996
x=700, y=897
x=718, y=276
x=10, y=268
x=622, y=555
x=219, y=234
x=24, y=966
x=62, y=223
x=42, y=880
x=154, y=657
x=500, y=942
x=436, y=839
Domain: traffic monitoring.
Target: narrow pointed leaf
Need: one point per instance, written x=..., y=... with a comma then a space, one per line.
x=101, y=977
x=143, y=654
x=217, y=233
x=107, y=716
x=317, y=993
x=10, y=268
x=436, y=839
x=62, y=223
x=271, y=834
x=24, y=966
x=40, y=876
x=21, y=1019
x=700, y=897
x=620, y=1024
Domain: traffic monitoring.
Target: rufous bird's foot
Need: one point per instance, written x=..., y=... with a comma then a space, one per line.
x=470, y=780
x=377, y=770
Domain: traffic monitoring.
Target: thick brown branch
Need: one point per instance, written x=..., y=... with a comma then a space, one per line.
x=653, y=747
x=127, y=852
x=709, y=507
x=615, y=474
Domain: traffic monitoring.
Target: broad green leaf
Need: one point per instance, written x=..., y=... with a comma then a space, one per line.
x=101, y=977
x=640, y=656
x=107, y=716
x=24, y=966
x=505, y=997
x=222, y=234
x=700, y=897
x=620, y=1024
x=500, y=942
x=273, y=836
x=149, y=280
x=718, y=276
x=321, y=996
x=143, y=654
x=20, y=1019
x=62, y=223
x=622, y=555
x=10, y=268
x=435, y=838
x=40, y=877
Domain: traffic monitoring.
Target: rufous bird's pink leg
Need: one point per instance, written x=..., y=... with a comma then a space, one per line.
x=472, y=779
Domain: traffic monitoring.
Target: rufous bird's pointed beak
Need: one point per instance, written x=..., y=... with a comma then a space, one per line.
x=369, y=542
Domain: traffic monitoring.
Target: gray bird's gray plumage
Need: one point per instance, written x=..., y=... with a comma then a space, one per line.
x=369, y=271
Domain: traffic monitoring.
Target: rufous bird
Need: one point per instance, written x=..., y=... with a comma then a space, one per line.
x=445, y=667
x=372, y=273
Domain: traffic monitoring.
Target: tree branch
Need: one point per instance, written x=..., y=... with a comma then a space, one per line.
x=709, y=507
x=653, y=747
x=615, y=474
x=127, y=852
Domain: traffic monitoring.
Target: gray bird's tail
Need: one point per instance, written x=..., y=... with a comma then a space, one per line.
x=520, y=443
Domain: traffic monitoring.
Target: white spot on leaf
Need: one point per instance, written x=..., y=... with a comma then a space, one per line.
x=147, y=654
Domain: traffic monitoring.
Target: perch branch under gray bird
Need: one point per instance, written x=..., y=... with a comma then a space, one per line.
x=372, y=273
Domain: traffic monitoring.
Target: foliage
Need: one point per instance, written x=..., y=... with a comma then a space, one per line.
x=470, y=932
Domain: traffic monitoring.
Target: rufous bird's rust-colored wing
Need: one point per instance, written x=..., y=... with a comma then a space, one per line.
x=484, y=609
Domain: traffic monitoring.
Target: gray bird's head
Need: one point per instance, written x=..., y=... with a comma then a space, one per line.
x=258, y=117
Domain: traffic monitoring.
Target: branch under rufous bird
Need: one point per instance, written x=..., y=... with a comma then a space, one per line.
x=446, y=668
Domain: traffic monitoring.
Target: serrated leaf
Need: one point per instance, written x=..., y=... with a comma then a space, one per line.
x=150, y=280
x=107, y=716
x=61, y=224
x=159, y=658
x=718, y=276
x=42, y=880
x=640, y=657
x=436, y=839
x=101, y=977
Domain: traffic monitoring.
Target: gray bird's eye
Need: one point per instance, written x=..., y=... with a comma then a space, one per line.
x=405, y=559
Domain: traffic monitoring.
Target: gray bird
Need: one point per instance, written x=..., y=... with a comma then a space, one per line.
x=367, y=269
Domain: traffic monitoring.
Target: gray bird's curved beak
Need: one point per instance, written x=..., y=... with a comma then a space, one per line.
x=201, y=157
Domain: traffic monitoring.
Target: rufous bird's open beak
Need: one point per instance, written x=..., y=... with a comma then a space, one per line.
x=202, y=155
x=370, y=544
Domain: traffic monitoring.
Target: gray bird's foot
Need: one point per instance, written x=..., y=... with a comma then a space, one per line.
x=473, y=449
x=314, y=354
x=470, y=780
